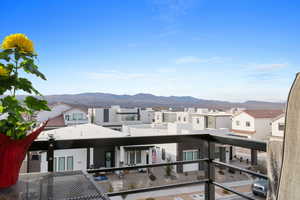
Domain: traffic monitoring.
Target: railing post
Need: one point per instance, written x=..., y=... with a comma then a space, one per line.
x=210, y=172
x=50, y=154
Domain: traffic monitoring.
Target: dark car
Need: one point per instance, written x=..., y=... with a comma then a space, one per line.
x=260, y=187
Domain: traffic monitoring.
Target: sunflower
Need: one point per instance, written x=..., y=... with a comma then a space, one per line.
x=18, y=41
x=3, y=71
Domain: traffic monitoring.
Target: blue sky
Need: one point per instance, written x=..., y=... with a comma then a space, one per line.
x=233, y=50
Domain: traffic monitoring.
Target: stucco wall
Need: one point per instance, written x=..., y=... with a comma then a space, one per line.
x=79, y=156
x=263, y=129
x=275, y=131
x=223, y=122
x=243, y=118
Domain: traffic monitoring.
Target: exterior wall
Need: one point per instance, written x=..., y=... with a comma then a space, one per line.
x=275, y=127
x=147, y=116
x=243, y=118
x=211, y=122
x=197, y=145
x=183, y=117
x=179, y=128
x=169, y=117
x=263, y=129
x=97, y=114
x=55, y=111
x=79, y=156
x=72, y=121
x=198, y=122
x=223, y=122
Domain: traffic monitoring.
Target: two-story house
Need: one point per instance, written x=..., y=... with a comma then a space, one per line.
x=115, y=116
x=62, y=115
x=254, y=124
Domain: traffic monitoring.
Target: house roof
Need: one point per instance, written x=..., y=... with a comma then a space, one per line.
x=57, y=121
x=83, y=131
x=279, y=116
x=83, y=109
x=263, y=113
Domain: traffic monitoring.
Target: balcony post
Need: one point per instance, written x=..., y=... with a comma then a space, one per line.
x=210, y=172
x=50, y=154
x=253, y=157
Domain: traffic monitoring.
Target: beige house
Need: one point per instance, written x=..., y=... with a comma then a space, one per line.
x=254, y=124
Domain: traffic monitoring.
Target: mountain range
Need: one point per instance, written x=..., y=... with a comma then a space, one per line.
x=150, y=100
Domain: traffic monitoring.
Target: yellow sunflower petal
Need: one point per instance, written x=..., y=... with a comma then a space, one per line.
x=19, y=41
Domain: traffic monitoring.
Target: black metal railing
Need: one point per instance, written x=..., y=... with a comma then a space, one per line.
x=210, y=140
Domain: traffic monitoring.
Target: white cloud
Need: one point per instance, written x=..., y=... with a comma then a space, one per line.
x=270, y=67
x=194, y=60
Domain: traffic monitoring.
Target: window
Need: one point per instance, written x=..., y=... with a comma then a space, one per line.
x=237, y=123
x=190, y=155
x=179, y=118
x=281, y=126
x=184, y=119
x=77, y=116
x=163, y=154
x=55, y=164
x=67, y=117
x=134, y=157
x=61, y=164
x=248, y=124
x=70, y=163
x=198, y=121
x=138, y=157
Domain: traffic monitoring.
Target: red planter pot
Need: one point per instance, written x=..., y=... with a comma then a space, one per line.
x=12, y=154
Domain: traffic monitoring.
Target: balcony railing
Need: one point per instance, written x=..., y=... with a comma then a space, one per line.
x=208, y=159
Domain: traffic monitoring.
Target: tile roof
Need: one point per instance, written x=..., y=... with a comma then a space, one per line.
x=56, y=121
x=263, y=113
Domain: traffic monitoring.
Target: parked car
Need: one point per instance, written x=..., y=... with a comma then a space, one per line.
x=260, y=187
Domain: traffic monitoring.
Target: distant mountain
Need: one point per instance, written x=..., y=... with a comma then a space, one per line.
x=149, y=100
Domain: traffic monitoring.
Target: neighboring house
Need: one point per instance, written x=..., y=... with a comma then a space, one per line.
x=184, y=117
x=278, y=126
x=165, y=117
x=84, y=158
x=254, y=124
x=114, y=117
x=211, y=121
x=62, y=115
x=176, y=151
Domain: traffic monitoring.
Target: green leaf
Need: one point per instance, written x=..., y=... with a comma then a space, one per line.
x=25, y=85
x=36, y=104
x=29, y=67
x=4, y=55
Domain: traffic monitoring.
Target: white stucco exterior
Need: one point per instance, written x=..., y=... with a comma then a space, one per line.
x=278, y=126
x=254, y=128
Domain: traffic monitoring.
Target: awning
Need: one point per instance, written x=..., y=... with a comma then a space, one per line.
x=137, y=147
